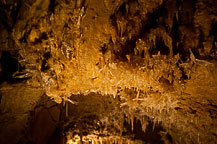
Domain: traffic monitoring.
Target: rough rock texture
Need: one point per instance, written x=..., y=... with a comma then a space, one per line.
x=112, y=64
x=17, y=100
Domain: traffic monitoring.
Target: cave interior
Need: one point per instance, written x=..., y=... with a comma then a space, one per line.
x=108, y=71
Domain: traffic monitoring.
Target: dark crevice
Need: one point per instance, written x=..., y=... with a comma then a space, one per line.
x=178, y=43
x=103, y=49
x=143, y=54
x=213, y=30
x=15, y=12
x=122, y=8
x=214, y=106
x=151, y=135
x=175, y=34
x=152, y=19
x=159, y=47
x=23, y=39
x=37, y=40
x=192, y=110
x=52, y=6
x=9, y=66
x=184, y=76
x=213, y=51
x=127, y=48
x=178, y=3
x=44, y=65
x=194, y=5
x=0, y=99
x=4, y=20
x=196, y=53
x=42, y=36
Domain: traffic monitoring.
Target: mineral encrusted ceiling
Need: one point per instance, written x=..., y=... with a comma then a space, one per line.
x=116, y=67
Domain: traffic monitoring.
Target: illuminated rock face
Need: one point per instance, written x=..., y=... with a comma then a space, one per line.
x=155, y=60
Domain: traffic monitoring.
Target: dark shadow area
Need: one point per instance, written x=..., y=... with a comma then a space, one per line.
x=9, y=66
x=159, y=47
x=151, y=135
x=151, y=22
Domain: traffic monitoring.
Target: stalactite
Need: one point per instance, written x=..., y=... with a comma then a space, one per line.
x=132, y=121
